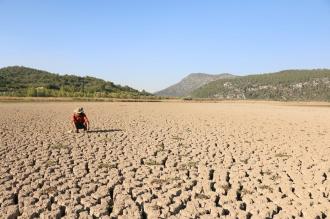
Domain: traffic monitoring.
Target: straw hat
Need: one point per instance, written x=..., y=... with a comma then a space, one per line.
x=79, y=110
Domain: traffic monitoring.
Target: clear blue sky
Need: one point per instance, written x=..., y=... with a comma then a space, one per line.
x=150, y=44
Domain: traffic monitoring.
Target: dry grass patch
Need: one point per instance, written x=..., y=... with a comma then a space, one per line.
x=264, y=187
x=59, y=146
x=51, y=162
x=201, y=196
x=245, y=161
x=177, y=138
x=152, y=163
x=175, y=178
x=106, y=139
x=191, y=164
x=156, y=207
x=246, y=192
x=165, y=181
x=160, y=148
x=282, y=155
x=226, y=187
x=267, y=172
x=50, y=190
x=107, y=165
x=275, y=177
x=158, y=181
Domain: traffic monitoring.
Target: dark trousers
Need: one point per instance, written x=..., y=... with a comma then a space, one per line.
x=80, y=126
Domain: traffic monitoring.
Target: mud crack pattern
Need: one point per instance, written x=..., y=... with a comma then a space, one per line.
x=165, y=160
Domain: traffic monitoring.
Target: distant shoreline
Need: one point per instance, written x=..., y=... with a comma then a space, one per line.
x=72, y=99
x=7, y=99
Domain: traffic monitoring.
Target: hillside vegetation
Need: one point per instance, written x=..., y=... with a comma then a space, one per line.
x=190, y=83
x=22, y=81
x=284, y=85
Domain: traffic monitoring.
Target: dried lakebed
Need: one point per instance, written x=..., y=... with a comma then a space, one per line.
x=165, y=160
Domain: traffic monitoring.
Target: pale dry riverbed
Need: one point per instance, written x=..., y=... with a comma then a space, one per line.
x=165, y=160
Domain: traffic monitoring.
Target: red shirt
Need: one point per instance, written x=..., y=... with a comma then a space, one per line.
x=79, y=118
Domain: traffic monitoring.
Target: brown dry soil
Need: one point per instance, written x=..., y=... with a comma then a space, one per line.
x=165, y=160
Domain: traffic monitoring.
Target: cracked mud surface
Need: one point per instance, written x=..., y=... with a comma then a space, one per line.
x=165, y=160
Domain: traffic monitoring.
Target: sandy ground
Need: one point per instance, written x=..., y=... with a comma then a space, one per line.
x=165, y=160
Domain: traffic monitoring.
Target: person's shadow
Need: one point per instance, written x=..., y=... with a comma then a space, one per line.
x=105, y=130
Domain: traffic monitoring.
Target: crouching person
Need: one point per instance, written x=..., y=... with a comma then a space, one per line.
x=80, y=120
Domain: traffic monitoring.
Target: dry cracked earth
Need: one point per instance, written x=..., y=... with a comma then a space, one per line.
x=165, y=160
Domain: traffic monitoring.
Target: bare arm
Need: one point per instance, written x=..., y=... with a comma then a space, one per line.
x=87, y=122
x=73, y=125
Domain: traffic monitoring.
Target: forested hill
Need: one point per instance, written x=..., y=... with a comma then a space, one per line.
x=23, y=81
x=284, y=85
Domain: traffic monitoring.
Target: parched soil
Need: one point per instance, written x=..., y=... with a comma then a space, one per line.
x=165, y=160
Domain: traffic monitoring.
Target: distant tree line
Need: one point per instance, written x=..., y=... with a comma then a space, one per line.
x=284, y=85
x=22, y=81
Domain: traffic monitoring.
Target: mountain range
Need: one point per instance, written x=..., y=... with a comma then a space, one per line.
x=306, y=85
x=190, y=83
